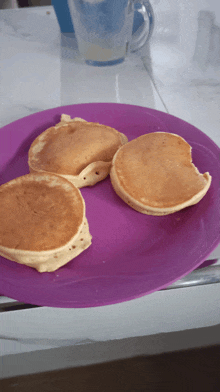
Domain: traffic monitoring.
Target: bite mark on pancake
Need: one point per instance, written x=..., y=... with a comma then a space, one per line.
x=155, y=174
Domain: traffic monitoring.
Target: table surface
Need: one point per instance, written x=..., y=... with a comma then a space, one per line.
x=178, y=72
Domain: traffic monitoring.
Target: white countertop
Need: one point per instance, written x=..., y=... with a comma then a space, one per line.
x=42, y=69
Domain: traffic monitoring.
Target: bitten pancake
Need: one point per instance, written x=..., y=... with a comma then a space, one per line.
x=154, y=174
x=77, y=150
x=42, y=221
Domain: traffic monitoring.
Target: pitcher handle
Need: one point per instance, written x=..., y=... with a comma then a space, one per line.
x=139, y=38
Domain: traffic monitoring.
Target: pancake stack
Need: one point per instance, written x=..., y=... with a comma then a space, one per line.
x=43, y=223
x=154, y=174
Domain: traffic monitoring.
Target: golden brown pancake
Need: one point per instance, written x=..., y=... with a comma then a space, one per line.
x=77, y=150
x=154, y=174
x=42, y=221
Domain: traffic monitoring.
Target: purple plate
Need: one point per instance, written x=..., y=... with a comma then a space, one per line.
x=131, y=254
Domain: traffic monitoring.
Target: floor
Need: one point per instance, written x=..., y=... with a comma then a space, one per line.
x=185, y=371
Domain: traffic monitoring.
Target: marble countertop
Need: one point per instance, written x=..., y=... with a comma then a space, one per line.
x=178, y=73
x=185, y=62
x=42, y=68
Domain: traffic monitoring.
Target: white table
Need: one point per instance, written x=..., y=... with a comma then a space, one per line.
x=41, y=70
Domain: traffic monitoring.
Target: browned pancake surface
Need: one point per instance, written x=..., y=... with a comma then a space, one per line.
x=35, y=216
x=157, y=170
x=69, y=149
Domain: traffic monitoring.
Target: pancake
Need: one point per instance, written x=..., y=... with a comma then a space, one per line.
x=154, y=174
x=42, y=221
x=77, y=150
